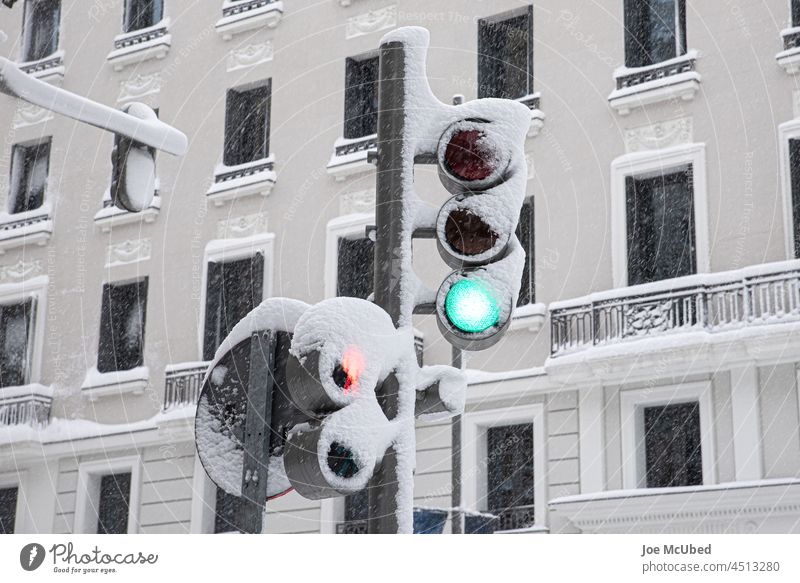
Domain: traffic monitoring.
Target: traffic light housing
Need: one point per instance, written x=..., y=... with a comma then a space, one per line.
x=133, y=167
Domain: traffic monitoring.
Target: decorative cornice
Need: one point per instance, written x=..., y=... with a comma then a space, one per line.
x=244, y=226
x=250, y=56
x=139, y=86
x=20, y=271
x=129, y=251
x=362, y=201
x=28, y=114
x=372, y=21
x=659, y=135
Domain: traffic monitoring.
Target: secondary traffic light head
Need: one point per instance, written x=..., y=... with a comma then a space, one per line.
x=133, y=167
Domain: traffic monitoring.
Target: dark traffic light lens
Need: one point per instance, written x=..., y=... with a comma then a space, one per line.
x=341, y=461
x=468, y=234
x=468, y=156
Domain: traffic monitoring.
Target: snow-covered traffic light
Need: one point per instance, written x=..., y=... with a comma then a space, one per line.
x=133, y=166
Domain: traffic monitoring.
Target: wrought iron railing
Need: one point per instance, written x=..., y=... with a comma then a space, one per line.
x=791, y=40
x=12, y=225
x=670, y=69
x=361, y=145
x=133, y=39
x=31, y=410
x=183, y=383
x=245, y=6
x=236, y=173
x=352, y=527
x=43, y=65
x=712, y=303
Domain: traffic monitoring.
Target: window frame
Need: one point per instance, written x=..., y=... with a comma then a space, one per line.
x=474, y=466
x=222, y=250
x=26, y=40
x=29, y=145
x=16, y=293
x=681, y=45
x=264, y=83
x=632, y=405
x=649, y=162
x=87, y=503
x=126, y=12
x=496, y=19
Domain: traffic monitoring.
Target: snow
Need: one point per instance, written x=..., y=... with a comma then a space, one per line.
x=265, y=175
x=95, y=378
x=625, y=71
x=247, y=14
x=30, y=390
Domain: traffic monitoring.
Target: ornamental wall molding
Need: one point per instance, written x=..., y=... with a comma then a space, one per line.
x=372, y=21
x=21, y=271
x=659, y=135
x=28, y=114
x=139, y=86
x=250, y=56
x=362, y=201
x=244, y=226
x=129, y=251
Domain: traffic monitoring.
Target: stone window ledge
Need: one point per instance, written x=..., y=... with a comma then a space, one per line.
x=50, y=68
x=530, y=317
x=110, y=216
x=537, y=115
x=789, y=57
x=243, y=15
x=22, y=229
x=672, y=79
x=102, y=384
x=230, y=182
x=141, y=45
x=350, y=156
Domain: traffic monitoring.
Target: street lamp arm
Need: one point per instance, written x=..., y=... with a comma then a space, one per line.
x=152, y=132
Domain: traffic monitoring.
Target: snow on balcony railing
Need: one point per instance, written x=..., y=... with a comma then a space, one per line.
x=791, y=38
x=52, y=65
x=26, y=405
x=234, y=8
x=632, y=77
x=353, y=146
x=142, y=36
x=183, y=383
x=32, y=227
x=762, y=294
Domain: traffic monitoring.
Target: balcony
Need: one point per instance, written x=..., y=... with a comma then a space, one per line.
x=183, y=383
x=50, y=68
x=244, y=15
x=789, y=57
x=350, y=156
x=673, y=79
x=26, y=405
x=30, y=228
x=141, y=45
x=230, y=182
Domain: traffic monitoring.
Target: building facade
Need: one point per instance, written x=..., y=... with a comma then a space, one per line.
x=649, y=382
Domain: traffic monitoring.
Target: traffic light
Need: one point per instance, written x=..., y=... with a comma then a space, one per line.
x=133, y=166
x=482, y=164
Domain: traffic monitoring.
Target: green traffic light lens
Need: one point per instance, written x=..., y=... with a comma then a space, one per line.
x=471, y=307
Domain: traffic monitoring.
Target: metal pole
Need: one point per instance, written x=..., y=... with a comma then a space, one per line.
x=457, y=517
x=384, y=486
x=257, y=432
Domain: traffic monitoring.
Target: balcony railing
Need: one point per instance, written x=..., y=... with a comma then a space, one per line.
x=183, y=383
x=246, y=6
x=358, y=145
x=712, y=302
x=137, y=38
x=33, y=410
x=244, y=171
x=654, y=73
x=791, y=40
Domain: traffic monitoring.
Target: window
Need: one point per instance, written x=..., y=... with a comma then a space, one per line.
x=660, y=226
x=509, y=454
x=505, y=55
x=16, y=329
x=361, y=97
x=8, y=510
x=655, y=31
x=354, y=272
x=122, y=326
x=795, y=13
x=234, y=288
x=40, y=29
x=356, y=506
x=30, y=165
x=672, y=445
x=794, y=170
x=141, y=14
x=525, y=234
x=225, y=513
x=247, y=124
x=115, y=492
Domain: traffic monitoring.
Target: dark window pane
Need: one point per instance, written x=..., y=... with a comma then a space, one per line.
x=41, y=22
x=226, y=512
x=115, y=493
x=510, y=466
x=355, y=267
x=794, y=168
x=660, y=222
x=247, y=124
x=15, y=330
x=525, y=234
x=361, y=98
x=505, y=56
x=234, y=288
x=795, y=12
x=672, y=445
x=8, y=510
x=29, y=169
x=356, y=506
x=654, y=31
x=141, y=14
x=122, y=326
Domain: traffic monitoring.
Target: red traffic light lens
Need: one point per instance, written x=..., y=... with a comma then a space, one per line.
x=468, y=234
x=346, y=373
x=469, y=156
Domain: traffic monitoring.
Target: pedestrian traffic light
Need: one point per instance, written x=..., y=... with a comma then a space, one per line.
x=133, y=167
